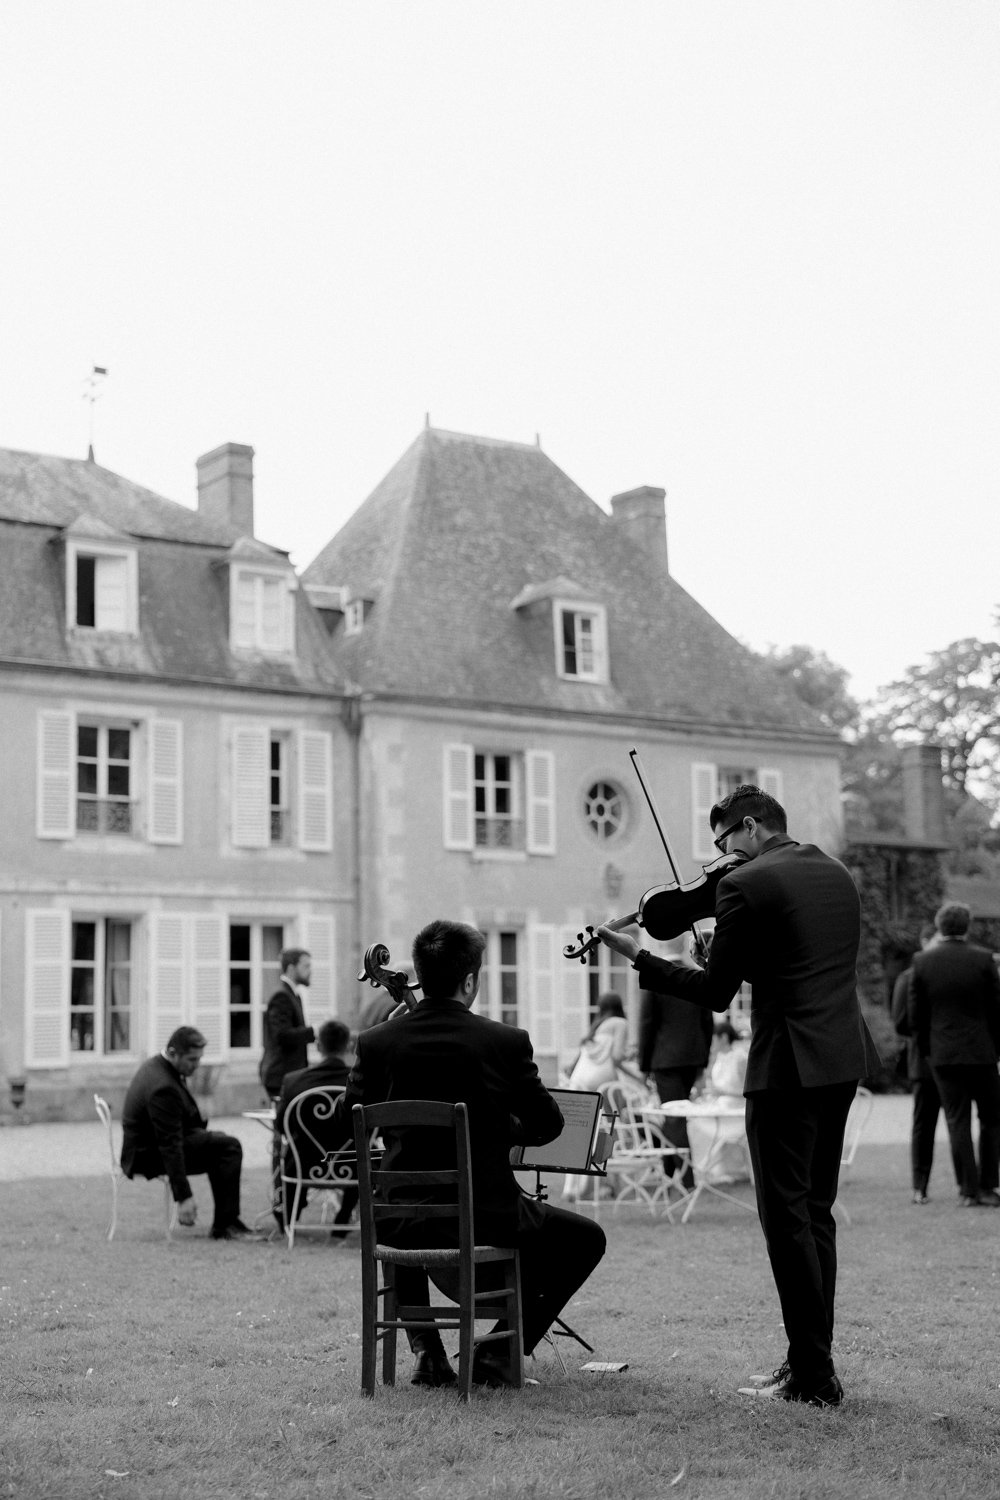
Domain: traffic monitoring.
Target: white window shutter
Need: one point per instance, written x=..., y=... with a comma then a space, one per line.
x=770, y=781
x=574, y=1016
x=250, y=811
x=542, y=951
x=207, y=968
x=315, y=790
x=111, y=593
x=458, y=824
x=704, y=786
x=166, y=805
x=540, y=775
x=55, y=812
x=321, y=998
x=46, y=1015
x=167, y=965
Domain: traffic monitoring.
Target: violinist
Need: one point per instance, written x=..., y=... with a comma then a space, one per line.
x=788, y=922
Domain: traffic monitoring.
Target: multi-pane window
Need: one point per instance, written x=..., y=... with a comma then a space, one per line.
x=100, y=1003
x=262, y=616
x=103, y=779
x=730, y=777
x=580, y=643
x=102, y=590
x=254, y=972
x=278, y=793
x=497, y=801
x=500, y=981
x=605, y=809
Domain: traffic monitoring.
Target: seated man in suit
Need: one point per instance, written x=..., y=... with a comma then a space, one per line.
x=164, y=1133
x=336, y=1056
x=443, y=1051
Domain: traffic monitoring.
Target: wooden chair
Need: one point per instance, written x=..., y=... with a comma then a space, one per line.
x=307, y=1163
x=403, y=1195
x=103, y=1109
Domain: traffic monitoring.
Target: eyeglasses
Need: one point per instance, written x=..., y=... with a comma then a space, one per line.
x=721, y=840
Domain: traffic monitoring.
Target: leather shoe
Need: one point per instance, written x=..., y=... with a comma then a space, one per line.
x=827, y=1393
x=431, y=1367
x=235, y=1231
x=919, y=1198
x=989, y=1198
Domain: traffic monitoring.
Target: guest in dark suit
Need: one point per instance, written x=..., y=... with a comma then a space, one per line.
x=336, y=1055
x=443, y=1051
x=955, y=1017
x=675, y=1039
x=286, y=1035
x=164, y=1134
x=788, y=922
x=926, y=1099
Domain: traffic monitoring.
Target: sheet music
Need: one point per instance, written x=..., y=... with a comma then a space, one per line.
x=571, y=1149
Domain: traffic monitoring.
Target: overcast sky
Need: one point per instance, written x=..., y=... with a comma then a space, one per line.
x=746, y=251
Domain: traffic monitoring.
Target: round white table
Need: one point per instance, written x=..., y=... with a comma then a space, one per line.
x=715, y=1112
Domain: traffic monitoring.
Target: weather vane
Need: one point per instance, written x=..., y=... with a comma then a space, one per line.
x=91, y=391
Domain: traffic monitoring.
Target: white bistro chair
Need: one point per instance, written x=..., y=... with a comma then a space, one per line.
x=103, y=1109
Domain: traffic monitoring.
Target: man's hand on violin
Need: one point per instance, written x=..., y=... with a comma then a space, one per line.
x=612, y=935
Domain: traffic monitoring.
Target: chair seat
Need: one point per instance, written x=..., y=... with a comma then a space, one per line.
x=481, y=1254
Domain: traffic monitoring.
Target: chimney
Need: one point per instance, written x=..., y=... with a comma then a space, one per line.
x=642, y=514
x=923, y=794
x=225, y=487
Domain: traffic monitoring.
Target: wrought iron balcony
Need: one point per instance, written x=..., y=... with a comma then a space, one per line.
x=499, y=833
x=103, y=815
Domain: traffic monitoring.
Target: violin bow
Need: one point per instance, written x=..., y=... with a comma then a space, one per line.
x=633, y=756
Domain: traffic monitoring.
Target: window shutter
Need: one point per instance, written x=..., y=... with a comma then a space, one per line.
x=208, y=972
x=250, y=811
x=166, y=807
x=47, y=989
x=166, y=971
x=111, y=593
x=55, y=811
x=574, y=1020
x=704, y=783
x=541, y=947
x=541, y=781
x=458, y=827
x=315, y=790
x=321, y=1000
x=770, y=782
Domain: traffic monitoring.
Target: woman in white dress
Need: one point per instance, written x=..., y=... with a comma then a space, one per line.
x=601, y=1051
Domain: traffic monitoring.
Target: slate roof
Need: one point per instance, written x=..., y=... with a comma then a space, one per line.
x=183, y=583
x=460, y=528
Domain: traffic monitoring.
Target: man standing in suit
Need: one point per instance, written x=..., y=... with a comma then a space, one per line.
x=443, y=1051
x=286, y=1035
x=164, y=1133
x=926, y=1099
x=675, y=1040
x=336, y=1055
x=955, y=1017
x=788, y=921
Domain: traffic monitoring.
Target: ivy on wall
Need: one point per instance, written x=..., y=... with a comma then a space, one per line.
x=900, y=890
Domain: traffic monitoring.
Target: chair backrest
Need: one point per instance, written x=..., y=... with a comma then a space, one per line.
x=858, y=1116
x=627, y=1100
x=103, y=1109
x=439, y=1192
x=308, y=1156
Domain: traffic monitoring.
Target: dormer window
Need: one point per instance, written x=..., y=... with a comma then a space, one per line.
x=102, y=587
x=262, y=610
x=581, y=642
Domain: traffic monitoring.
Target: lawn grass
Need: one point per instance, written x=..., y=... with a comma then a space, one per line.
x=200, y=1371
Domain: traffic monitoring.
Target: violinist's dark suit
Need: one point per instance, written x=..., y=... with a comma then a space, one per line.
x=789, y=923
x=443, y=1051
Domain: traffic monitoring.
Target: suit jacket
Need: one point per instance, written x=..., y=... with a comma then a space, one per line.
x=916, y=1066
x=286, y=1037
x=789, y=923
x=329, y=1072
x=672, y=1033
x=955, y=1004
x=443, y=1051
x=159, y=1113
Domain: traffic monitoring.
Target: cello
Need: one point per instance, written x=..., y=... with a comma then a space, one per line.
x=379, y=975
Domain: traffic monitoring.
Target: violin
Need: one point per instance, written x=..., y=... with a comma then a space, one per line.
x=665, y=911
x=395, y=981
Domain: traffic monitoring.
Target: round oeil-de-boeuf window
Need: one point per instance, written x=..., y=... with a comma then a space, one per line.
x=605, y=808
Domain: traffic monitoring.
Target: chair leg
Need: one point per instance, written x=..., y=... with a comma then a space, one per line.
x=466, y=1331
x=513, y=1283
x=168, y=1208
x=390, y=1311
x=293, y=1216
x=369, y=1312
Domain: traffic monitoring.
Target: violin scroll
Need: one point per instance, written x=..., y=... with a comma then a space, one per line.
x=378, y=975
x=583, y=945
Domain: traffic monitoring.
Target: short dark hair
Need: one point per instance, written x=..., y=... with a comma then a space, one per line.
x=953, y=919
x=185, y=1039
x=610, y=1004
x=444, y=953
x=290, y=956
x=333, y=1036
x=749, y=802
